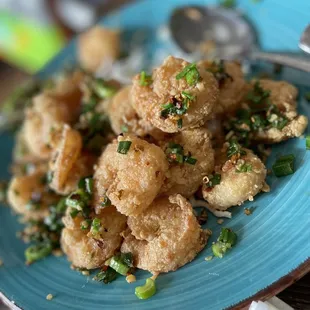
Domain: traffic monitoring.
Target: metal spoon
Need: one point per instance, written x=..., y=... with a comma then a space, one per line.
x=231, y=36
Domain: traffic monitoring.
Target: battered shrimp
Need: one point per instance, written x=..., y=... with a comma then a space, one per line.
x=124, y=118
x=98, y=45
x=191, y=98
x=89, y=251
x=283, y=95
x=29, y=196
x=241, y=180
x=131, y=181
x=185, y=178
x=231, y=82
x=166, y=236
x=46, y=113
x=67, y=165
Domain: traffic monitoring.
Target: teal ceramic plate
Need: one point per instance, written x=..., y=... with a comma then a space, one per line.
x=273, y=241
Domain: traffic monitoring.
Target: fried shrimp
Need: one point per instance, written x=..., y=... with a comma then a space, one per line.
x=87, y=250
x=98, y=45
x=124, y=118
x=241, y=180
x=231, y=83
x=68, y=165
x=185, y=178
x=132, y=180
x=29, y=196
x=283, y=95
x=166, y=236
x=177, y=96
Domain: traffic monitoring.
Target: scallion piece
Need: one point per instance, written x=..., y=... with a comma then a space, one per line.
x=37, y=252
x=308, y=142
x=118, y=264
x=147, y=290
x=106, y=202
x=123, y=147
x=95, y=226
x=190, y=160
x=74, y=213
x=284, y=165
x=86, y=184
x=180, y=123
x=106, y=276
x=85, y=224
x=102, y=90
x=228, y=236
x=190, y=73
x=145, y=80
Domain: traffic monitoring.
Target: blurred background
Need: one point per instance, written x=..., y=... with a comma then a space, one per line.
x=33, y=31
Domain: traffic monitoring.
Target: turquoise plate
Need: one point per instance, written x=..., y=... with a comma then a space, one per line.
x=273, y=241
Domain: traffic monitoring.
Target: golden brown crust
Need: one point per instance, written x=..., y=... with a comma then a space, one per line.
x=148, y=100
x=132, y=180
x=164, y=237
x=97, y=45
x=185, y=178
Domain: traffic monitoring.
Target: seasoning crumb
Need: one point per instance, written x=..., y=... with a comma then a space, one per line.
x=131, y=278
x=208, y=232
x=85, y=272
x=58, y=252
x=208, y=258
x=49, y=297
x=1, y=262
x=248, y=211
x=220, y=221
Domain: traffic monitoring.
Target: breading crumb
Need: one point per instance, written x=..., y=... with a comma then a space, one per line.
x=1, y=262
x=49, y=297
x=208, y=258
x=220, y=221
x=131, y=278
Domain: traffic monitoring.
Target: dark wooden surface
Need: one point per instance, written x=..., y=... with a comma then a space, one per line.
x=298, y=294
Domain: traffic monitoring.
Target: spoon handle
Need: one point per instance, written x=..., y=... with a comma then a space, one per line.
x=285, y=60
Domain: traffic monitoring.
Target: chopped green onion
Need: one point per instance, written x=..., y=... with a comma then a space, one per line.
x=95, y=226
x=235, y=149
x=76, y=200
x=228, y=236
x=284, y=165
x=86, y=184
x=190, y=73
x=123, y=147
x=74, y=213
x=225, y=241
x=244, y=168
x=85, y=224
x=61, y=206
x=308, y=142
x=180, y=123
x=213, y=180
x=220, y=248
x=106, y=202
x=37, y=252
x=118, y=264
x=102, y=90
x=124, y=128
x=187, y=95
x=127, y=259
x=218, y=70
x=145, y=80
x=147, y=290
x=190, y=160
x=106, y=276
